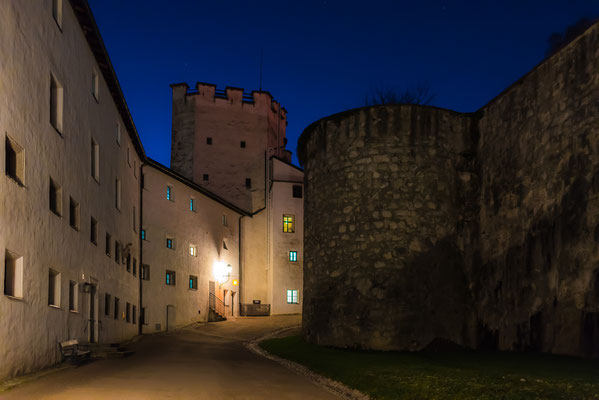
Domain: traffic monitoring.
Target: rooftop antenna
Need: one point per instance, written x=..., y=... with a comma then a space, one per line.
x=261, y=53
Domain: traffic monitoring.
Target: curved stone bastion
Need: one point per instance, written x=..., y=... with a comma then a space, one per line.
x=388, y=193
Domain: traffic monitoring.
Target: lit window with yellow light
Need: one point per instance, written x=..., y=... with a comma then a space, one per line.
x=288, y=224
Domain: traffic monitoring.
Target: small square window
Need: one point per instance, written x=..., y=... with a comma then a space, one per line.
x=128, y=263
x=297, y=191
x=242, y=144
x=95, y=160
x=13, y=274
x=224, y=219
x=73, y=296
x=128, y=312
x=209, y=140
x=55, y=198
x=134, y=315
x=143, y=234
x=15, y=161
x=107, y=304
x=169, y=243
x=248, y=183
x=292, y=297
x=145, y=272
x=117, y=252
x=118, y=133
x=117, y=193
x=169, y=193
x=205, y=177
x=293, y=256
x=95, y=85
x=170, y=278
x=193, y=250
x=134, y=266
x=93, y=234
x=143, y=316
x=57, y=12
x=56, y=104
x=108, y=241
x=193, y=282
x=192, y=204
x=74, y=214
x=288, y=224
x=116, y=307
x=53, y=288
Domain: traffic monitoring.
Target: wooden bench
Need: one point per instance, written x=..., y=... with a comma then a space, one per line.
x=70, y=351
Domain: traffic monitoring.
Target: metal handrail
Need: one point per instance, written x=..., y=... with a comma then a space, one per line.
x=217, y=304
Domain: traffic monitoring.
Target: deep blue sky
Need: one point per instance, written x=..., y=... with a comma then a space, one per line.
x=322, y=57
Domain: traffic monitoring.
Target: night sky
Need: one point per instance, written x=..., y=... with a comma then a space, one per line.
x=323, y=57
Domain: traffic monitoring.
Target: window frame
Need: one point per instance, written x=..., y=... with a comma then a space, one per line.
x=288, y=223
x=292, y=294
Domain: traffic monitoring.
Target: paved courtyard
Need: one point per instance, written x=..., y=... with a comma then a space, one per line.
x=204, y=361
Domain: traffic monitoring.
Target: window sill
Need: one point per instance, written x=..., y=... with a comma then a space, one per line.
x=94, y=243
x=14, y=297
x=54, y=306
x=58, y=24
x=56, y=213
x=16, y=180
x=75, y=228
x=194, y=289
x=74, y=311
x=95, y=97
x=57, y=131
x=96, y=179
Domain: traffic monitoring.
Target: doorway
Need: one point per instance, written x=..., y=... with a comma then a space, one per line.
x=93, y=313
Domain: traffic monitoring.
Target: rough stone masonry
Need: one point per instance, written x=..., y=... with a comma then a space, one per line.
x=480, y=228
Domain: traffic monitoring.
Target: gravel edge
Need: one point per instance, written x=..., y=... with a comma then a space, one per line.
x=337, y=388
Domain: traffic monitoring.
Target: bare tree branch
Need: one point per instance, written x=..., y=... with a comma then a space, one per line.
x=420, y=94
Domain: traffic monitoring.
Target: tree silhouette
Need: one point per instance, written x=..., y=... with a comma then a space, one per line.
x=559, y=40
x=420, y=94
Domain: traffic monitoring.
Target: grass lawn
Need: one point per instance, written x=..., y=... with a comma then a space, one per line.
x=457, y=375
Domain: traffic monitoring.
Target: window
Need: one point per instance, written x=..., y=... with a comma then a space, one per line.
x=134, y=220
x=193, y=282
x=13, y=274
x=143, y=234
x=193, y=250
x=134, y=315
x=74, y=214
x=93, y=231
x=297, y=191
x=56, y=103
x=15, y=161
x=117, y=193
x=225, y=247
x=128, y=312
x=118, y=133
x=55, y=198
x=143, y=316
x=108, y=240
x=248, y=183
x=192, y=204
x=134, y=266
x=170, y=278
x=95, y=85
x=224, y=219
x=117, y=252
x=129, y=263
x=292, y=297
x=107, y=305
x=205, y=177
x=144, y=270
x=288, y=226
x=242, y=144
x=293, y=256
x=73, y=296
x=169, y=193
x=53, y=288
x=57, y=12
x=209, y=140
x=129, y=156
x=95, y=166
x=135, y=169
x=170, y=243
x=116, y=307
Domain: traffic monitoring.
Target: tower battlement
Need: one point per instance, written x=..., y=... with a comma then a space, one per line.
x=255, y=100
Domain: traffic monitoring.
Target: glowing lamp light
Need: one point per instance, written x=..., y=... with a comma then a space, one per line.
x=222, y=271
x=235, y=282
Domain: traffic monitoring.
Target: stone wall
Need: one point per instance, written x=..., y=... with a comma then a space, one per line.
x=382, y=216
x=477, y=228
x=537, y=284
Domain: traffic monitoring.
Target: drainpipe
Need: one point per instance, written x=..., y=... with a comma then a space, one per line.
x=141, y=253
x=241, y=279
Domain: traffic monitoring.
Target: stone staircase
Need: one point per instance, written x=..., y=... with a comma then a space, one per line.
x=216, y=309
